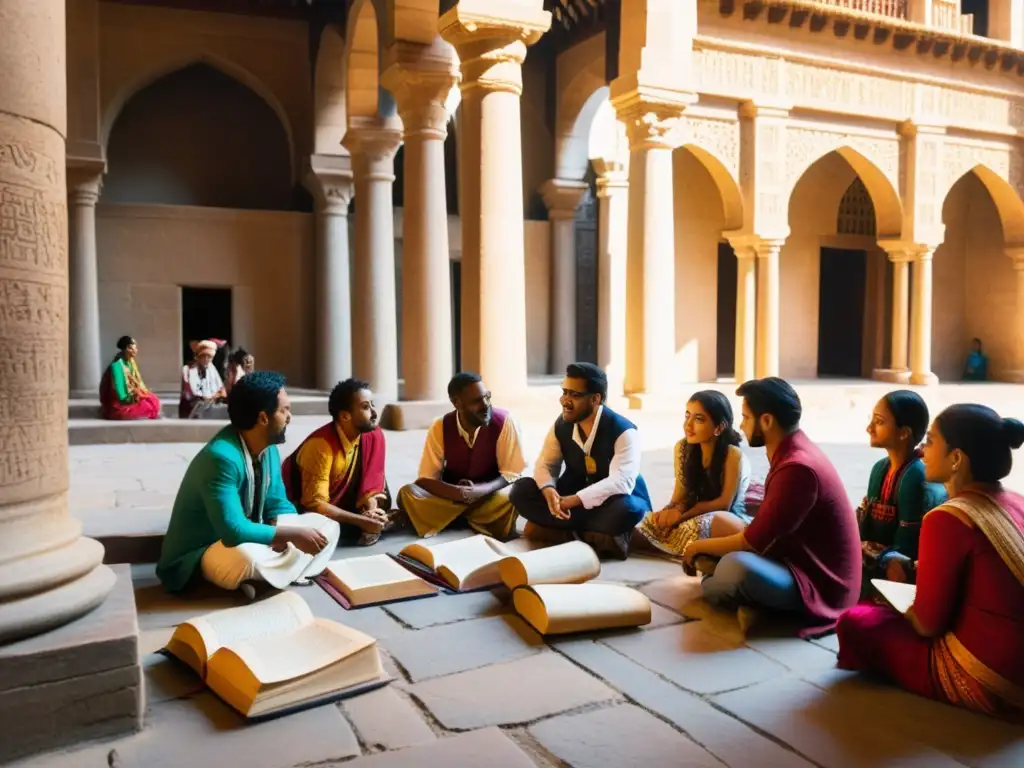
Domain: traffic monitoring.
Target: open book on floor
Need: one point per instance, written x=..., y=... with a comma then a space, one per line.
x=899, y=596
x=556, y=609
x=274, y=656
x=462, y=565
x=372, y=580
x=571, y=563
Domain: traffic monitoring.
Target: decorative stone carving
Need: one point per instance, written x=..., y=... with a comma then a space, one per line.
x=373, y=143
x=720, y=138
x=562, y=197
x=332, y=189
x=491, y=38
x=856, y=211
x=822, y=87
x=739, y=75
x=806, y=145
x=421, y=80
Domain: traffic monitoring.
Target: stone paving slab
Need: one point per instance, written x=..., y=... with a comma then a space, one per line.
x=203, y=731
x=619, y=736
x=445, y=609
x=451, y=648
x=676, y=592
x=638, y=569
x=723, y=736
x=371, y=619
x=486, y=747
x=384, y=719
x=972, y=739
x=695, y=658
x=511, y=693
x=827, y=727
x=799, y=656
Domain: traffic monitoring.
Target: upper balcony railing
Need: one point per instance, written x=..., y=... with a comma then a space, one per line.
x=896, y=9
x=945, y=14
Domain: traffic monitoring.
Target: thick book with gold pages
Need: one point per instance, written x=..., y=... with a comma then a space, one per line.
x=571, y=563
x=556, y=609
x=274, y=656
x=462, y=565
x=375, y=579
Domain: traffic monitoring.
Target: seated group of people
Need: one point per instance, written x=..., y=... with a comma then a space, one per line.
x=205, y=381
x=804, y=553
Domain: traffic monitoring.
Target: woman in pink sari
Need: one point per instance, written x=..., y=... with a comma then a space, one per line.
x=961, y=642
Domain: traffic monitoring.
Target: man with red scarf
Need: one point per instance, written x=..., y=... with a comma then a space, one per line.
x=338, y=470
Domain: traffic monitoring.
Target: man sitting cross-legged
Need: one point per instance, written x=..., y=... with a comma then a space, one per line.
x=338, y=470
x=801, y=555
x=601, y=496
x=470, y=457
x=232, y=495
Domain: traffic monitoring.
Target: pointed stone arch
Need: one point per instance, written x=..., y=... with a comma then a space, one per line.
x=172, y=64
x=725, y=181
x=1006, y=199
x=329, y=97
x=875, y=159
x=362, y=60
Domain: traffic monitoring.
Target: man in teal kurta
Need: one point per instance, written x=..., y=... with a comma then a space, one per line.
x=232, y=494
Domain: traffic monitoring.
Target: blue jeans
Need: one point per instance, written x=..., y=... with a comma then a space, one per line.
x=746, y=578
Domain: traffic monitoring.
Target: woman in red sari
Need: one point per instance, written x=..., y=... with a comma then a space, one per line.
x=962, y=641
x=123, y=393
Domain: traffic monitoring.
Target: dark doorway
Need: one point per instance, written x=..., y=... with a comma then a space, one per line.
x=456, y=287
x=841, y=312
x=205, y=314
x=586, y=273
x=727, y=275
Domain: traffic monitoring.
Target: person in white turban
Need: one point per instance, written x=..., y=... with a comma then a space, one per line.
x=201, y=384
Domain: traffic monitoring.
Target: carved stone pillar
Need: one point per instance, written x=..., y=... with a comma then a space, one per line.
x=613, y=241
x=491, y=37
x=49, y=574
x=562, y=197
x=650, y=269
x=768, y=308
x=421, y=78
x=921, y=321
x=900, y=309
x=84, y=319
x=373, y=144
x=330, y=181
x=746, y=307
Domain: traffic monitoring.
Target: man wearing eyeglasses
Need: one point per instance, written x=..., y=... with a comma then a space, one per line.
x=600, y=496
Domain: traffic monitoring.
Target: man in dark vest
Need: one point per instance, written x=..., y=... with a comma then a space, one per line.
x=470, y=458
x=601, y=496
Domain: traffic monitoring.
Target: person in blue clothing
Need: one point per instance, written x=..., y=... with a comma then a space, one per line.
x=976, y=365
x=898, y=496
x=224, y=523
x=600, y=496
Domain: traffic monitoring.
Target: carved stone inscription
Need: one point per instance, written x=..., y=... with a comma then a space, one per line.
x=33, y=312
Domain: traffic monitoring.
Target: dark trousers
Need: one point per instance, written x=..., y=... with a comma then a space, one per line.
x=618, y=515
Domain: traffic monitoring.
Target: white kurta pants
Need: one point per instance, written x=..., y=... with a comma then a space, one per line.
x=230, y=567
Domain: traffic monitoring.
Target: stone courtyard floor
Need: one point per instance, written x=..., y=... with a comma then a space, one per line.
x=475, y=686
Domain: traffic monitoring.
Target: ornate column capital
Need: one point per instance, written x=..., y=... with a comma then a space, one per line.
x=421, y=78
x=901, y=251
x=491, y=37
x=612, y=174
x=747, y=246
x=329, y=180
x=649, y=119
x=84, y=185
x=373, y=142
x=562, y=196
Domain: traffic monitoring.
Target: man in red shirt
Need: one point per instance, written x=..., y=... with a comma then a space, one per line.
x=801, y=554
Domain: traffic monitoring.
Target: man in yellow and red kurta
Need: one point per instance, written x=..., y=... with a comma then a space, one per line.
x=338, y=470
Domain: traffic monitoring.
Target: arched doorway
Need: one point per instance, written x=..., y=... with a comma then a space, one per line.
x=200, y=222
x=834, y=308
